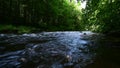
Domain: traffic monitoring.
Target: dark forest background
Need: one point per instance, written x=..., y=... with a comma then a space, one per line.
x=24, y=16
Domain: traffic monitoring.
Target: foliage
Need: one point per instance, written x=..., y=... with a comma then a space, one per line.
x=52, y=15
x=102, y=15
x=45, y=14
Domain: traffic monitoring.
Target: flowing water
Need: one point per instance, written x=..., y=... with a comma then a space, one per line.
x=54, y=50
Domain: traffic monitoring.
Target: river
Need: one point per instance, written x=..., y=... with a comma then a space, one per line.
x=68, y=49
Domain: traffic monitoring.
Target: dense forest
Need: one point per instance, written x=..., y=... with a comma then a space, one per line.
x=59, y=15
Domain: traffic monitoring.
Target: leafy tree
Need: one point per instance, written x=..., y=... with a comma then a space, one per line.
x=102, y=15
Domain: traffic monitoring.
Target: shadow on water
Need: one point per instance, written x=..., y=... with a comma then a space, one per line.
x=108, y=53
x=59, y=50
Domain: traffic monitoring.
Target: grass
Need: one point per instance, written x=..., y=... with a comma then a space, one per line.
x=15, y=29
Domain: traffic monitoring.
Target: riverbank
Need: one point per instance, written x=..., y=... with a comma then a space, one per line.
x=16, y=29
x=20, y=29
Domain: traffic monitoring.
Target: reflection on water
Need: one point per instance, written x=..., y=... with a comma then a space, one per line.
x=51, y=50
